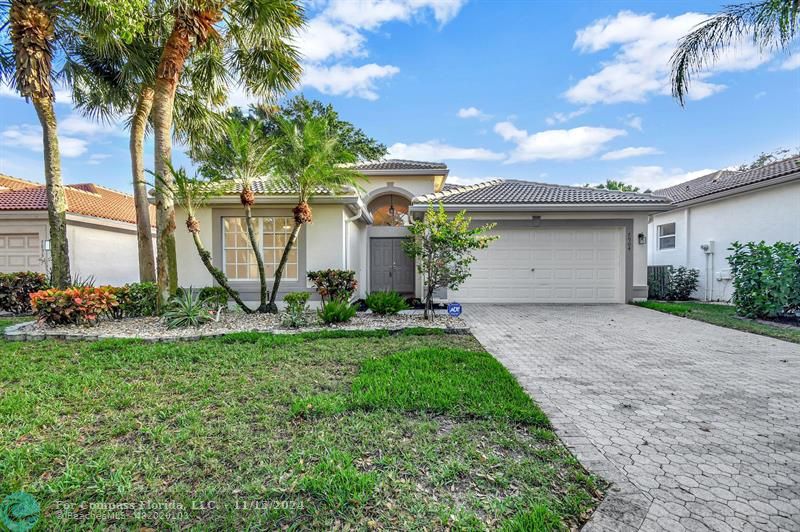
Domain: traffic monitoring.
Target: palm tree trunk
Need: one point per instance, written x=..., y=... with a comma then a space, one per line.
x=216, y=273
x=248, y=213
x=282, y=265
x=56, y=196
x=144, y=231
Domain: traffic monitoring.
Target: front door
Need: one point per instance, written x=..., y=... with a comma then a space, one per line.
x=390, y=267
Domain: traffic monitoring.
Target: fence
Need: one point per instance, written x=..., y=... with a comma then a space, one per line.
x=658, y=281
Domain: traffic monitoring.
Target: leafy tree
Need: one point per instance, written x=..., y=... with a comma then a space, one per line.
x=33, y=33
x=352, y=139
x=241, y=155
x=612, y=184
x=307, y=155
x=118, y=78
x=770, y=23
x=765, y=158
x=191, y=193
x=442, y=248
x=252, y=39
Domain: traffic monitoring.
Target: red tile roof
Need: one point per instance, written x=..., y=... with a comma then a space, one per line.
x=86, y=198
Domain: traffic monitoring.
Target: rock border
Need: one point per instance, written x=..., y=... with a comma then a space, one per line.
x=18, y=333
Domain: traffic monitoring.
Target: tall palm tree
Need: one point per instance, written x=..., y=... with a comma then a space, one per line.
x=307, y=157
x=109, y=81
x=191, y=194
x=37, y=31
x=241, y=155
x=772, y=24
x=254, y=39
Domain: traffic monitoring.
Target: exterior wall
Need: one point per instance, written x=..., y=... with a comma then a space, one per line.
x=769, y=214
x=111, y=256
x=413, y=184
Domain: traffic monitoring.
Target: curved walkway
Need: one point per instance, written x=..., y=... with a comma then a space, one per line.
x=696, y=426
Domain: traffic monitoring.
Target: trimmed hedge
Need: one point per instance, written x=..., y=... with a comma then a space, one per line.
x=16, y=289
x=766, y=278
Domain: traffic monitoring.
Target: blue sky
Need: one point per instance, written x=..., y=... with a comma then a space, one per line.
x=562, y=92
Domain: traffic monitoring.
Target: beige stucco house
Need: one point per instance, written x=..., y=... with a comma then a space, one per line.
x=101, y=230
x=557, y=244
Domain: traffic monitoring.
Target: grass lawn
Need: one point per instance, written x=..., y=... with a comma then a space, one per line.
x=723, y=315
x=320, y=430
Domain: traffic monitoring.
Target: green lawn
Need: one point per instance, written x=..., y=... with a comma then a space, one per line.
x=724, y=316
x=320, y=430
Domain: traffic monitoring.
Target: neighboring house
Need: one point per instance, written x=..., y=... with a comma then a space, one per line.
x=710, y=212
x=101, y=229
x=558, y=244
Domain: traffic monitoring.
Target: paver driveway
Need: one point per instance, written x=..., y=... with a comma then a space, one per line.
x=697, y=426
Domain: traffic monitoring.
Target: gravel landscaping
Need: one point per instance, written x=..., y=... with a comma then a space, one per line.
x=153, y=328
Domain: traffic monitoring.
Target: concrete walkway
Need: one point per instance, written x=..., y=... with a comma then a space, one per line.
x=697, y=426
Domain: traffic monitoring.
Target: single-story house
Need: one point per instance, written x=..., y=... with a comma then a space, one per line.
x=101, y=230
x=558, y=244
x=710, y=212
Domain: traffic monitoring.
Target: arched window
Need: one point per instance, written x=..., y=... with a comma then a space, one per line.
x=389, y=209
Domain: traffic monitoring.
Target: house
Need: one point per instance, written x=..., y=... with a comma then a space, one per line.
x=558, y=244
x=710, y=212
x=101, y=230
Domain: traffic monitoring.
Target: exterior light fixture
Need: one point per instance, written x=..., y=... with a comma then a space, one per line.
x=642, y=238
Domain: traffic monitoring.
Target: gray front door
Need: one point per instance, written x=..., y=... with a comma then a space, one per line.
x=390, y=267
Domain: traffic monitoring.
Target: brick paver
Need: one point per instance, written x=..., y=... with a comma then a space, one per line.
x=696, y=426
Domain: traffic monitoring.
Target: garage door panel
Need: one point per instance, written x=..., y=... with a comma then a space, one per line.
x=20, y=252
x=570, y=266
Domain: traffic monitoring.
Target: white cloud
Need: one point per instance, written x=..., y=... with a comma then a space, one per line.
x=30, y=138
x=322, y=39
x=633, y=121
x=560, y=118
x=640, y=65
x=97, y=158
x=626, y=153
x=656, y=177
x=472, y=112
x=792, y=63
x=347, y=80
x=559, y=144
x=62, y=95
x=370, y=14
x=459, y=180
x=434, y=150
x=76, y=124
x=759, y=95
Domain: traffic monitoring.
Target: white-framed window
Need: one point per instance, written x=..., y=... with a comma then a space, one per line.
x=237, y=254
x=666, y=236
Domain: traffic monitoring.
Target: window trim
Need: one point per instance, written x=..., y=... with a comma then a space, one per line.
x=258, y=220
x=661, y=236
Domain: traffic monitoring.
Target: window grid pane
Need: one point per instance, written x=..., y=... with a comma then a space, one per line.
x=238, y=257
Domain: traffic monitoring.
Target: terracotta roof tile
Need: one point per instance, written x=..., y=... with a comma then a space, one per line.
x=86, y=198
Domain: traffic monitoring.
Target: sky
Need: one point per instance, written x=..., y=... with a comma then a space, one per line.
x=562, y=92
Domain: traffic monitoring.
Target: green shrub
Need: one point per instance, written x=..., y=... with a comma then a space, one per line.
x=766, y=278
x=336, y=311
x=334, y=284
x=186, y=309
x=74, y=306
x=137, y=300
x=214, y=296
x=296, y=313
x=386, y=303
x=16, y=289
x=682, y=282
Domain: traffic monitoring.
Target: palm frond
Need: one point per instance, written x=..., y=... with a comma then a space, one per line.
x=772, y=24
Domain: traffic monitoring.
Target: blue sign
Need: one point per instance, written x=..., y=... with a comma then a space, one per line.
x=454, y=309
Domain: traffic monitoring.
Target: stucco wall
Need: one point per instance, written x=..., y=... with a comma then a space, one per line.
x=109, y=255
x=770, y=214
x=415, y=185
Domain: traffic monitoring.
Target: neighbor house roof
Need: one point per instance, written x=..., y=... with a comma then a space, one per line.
x=729, y=180
x=86, y=199
x=398, y=164
x=516, y=192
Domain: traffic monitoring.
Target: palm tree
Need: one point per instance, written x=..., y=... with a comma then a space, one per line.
x=253, y=39
x=112, y=80
x=242, y=155
x=37, y=30
x=307, y=156
x=771, y=23
x=191, y=194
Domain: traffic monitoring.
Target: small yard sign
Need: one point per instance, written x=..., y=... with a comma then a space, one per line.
x=454, y=309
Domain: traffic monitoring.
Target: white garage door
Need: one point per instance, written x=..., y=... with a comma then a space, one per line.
x=548, y=266
x=20, y=252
